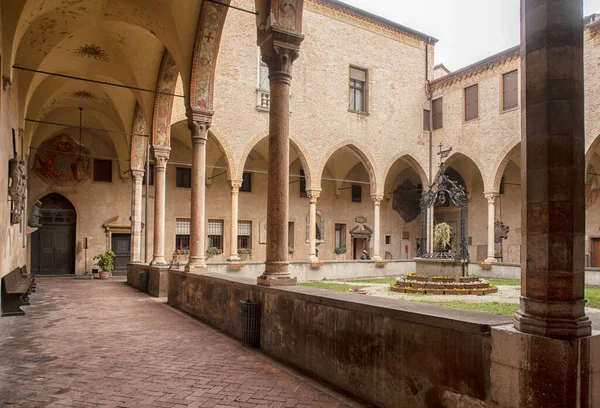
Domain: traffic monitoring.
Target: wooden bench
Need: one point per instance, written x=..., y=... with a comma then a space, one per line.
x=15, y=292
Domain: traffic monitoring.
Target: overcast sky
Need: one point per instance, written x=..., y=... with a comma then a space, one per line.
x=467, y=30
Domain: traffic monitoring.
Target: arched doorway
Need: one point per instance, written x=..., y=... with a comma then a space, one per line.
x=53, y=244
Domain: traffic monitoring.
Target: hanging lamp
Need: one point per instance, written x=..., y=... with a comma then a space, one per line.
x=81, y=165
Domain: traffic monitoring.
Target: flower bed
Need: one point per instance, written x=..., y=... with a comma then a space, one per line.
x=443, y=285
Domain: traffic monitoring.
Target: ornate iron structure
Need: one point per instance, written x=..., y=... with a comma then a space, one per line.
x=442, y=190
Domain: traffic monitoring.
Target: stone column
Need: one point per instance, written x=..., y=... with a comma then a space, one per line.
x=279, y=49
x=312, y=225
x=430, y=221
x=376, y=256
x=235, y=193
x=198, y=123
x=553, y=162
x=161, y=157
x=491, y=244
x=136, y=216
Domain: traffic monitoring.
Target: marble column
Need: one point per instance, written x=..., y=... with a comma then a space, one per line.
x=491, y=241
x=161, y=157
x=553, y=176
x=279, y=49
x=198, y=123
x=136, y=216
x=376, y=256
x=312, y=225
x=235, y=193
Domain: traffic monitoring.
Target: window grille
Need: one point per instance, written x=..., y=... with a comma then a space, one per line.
x=182, y=234
x=215, y=234
x=244, y=234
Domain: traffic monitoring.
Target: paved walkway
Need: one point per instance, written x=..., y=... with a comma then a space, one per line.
x=103, y=344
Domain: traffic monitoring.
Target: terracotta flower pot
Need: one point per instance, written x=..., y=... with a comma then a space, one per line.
x=104, y=275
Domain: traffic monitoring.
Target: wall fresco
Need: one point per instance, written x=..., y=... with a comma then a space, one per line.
x=56, y=159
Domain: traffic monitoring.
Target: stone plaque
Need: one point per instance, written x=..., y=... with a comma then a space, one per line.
x=262, y=232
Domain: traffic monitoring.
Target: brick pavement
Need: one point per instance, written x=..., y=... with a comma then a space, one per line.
x=103, y=344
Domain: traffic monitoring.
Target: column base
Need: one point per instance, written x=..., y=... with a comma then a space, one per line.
x=553, y=319
x=491, y=260
x=313, y=259
x=277, y=280
x=376, y=258
x=159, y=262
x=234, y=258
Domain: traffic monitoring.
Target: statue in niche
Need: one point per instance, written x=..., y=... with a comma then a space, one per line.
x=36, y=213
x=500, y=233
x=406, y=202
x=17, y=189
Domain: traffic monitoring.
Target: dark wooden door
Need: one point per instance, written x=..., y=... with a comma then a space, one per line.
x=120, y=246
x=53, y=244
x=596, y=253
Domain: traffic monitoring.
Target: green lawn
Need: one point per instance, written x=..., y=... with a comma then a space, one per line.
x=507, y=309
x=592, y=294
x=386, y=281
x=504, y=282
x=337, y=287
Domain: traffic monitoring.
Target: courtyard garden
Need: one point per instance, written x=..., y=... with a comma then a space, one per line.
x=504, y=302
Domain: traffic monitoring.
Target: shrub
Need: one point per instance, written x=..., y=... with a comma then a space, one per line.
x=106, y=261
x=340, y=250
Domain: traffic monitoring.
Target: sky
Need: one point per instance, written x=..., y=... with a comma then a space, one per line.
x=467, y=30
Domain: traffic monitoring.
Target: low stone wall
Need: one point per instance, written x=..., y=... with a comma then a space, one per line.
x=133, y=274
x=392, y=353
x=513, y=271
x=158, y=281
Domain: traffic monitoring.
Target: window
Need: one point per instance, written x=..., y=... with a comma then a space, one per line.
x=406, y=235
x=244, y=238
x=358, y=88
x=182, y=234
x=388, y=239
x=356, y=194
x=510, y=90
x=151, y=174
x=291, y=235
x=471, y=102
x=302, y=184
x=184, y=177
x=340, y=235
x=215, y=234
x=103, y=171
x=426, y=120
x=264, y=87
x=438, y=114
x=246, y=183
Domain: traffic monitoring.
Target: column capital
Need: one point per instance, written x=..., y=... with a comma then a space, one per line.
x=377, y=198
x=235, y=185
x=491, y=197
x=161, y=155
x=279, y=49
x=313, y=195
x=199, y=122
x=137, y=175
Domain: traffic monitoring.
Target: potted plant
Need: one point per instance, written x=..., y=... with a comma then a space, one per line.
x=211, y=251
x=442, y=237
x=340, y=250
x=106, y=263
x=245, y=253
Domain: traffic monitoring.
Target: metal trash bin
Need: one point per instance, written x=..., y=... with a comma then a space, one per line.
x=144, y=281
x=250, y=323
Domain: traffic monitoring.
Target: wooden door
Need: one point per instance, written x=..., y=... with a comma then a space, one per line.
x=596, y=253
x=359, y=245
x=53, y=244
x=120, y=246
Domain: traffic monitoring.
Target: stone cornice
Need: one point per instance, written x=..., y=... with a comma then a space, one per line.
x=477, y=68
x=353, y=14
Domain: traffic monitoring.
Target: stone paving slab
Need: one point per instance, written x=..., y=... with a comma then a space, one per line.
x=103, y=344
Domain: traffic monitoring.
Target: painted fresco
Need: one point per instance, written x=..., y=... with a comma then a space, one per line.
x=164, y=103
x=55, y=162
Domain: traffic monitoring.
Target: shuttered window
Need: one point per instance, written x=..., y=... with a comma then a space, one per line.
x=438, y=114
x=426, y=120
x=184, y=177
x=340, y=235
x=471, y=102
x=510, y=90
x=244, y=234
x=358, y=89
x=103, y=171
x=215, y=234
x=182, y=234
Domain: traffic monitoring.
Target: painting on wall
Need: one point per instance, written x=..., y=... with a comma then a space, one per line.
x=58, y=163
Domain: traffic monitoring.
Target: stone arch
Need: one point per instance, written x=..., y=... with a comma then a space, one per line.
x=590, y=150
x=138, y=142
x=227, y=152
x=413, y=162
x=457, y=154
x=364, y=155
x=163, y=107
x=206, y=51
x=294, y=143
x=501, y=166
